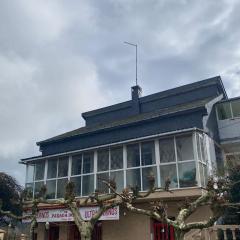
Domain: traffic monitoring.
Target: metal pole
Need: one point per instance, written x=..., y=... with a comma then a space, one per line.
x=135, y=45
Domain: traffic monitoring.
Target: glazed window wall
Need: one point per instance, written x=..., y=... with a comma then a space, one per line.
x=228, y=110
x=183, y=159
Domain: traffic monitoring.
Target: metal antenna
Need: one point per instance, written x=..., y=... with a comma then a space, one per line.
x=135, y=45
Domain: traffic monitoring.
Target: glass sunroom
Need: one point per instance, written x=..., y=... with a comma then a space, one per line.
x=183, y=158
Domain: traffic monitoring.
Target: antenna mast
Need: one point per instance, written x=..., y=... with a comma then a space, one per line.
x=135, y=45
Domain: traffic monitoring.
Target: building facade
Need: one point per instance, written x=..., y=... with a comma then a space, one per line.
x=177, y=134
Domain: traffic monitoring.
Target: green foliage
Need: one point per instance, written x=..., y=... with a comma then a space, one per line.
x=10, y=195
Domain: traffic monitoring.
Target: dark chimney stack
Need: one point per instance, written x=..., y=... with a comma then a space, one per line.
x=136, y=94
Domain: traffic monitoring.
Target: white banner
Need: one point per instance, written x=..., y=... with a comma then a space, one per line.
x=65, y=215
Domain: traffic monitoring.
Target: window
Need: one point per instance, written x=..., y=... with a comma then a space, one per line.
x=77, y=185
x=39, y=170
x=224, y=111
x=52, y=168
x=236, y=108
x=63, y=167
x=61, y=186
x=103, y=160
x=187, y=174
x=167, y=150
x=88, y=162
x=148, y=153
x=51, y=189
x=87, y=185
x=133, y=155
x=116, y=158
x=77, y=164
x=146, y=172
x=30, y=173
x=184, y=148
x=118, y=177
x=169, y=172
x=133, y=178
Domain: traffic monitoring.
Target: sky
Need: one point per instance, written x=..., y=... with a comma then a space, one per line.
x=61, y=58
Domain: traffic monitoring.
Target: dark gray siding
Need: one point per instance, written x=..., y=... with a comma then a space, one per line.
x=170, y=123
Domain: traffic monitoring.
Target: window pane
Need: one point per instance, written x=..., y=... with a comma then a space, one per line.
x=236, y=108
x=148, y=153
x=103, y=160
x=187, y=174
x=77, y=185
x=30, y=173
x=101, y=187
x=224, y=111
x=133, y=178
x=116, y=158
x=118, y=177
x=87, y=185
x=205, y=175
x=88, y=162
x=63, y=167
x=38, y=186
x=29, y=190
x=201, y=174
x=77, y=164
x=169, y=172
x=167, y=152
x=61, y=186
x=39, y=170
x=51, y=188
x=52, y=168
x=146, y=172
x=133, y=157
x=184, y=148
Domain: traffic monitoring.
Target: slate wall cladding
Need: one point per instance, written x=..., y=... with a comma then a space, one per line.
x=150, y=127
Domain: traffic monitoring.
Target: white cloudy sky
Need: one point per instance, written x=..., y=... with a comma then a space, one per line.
x=60, y=58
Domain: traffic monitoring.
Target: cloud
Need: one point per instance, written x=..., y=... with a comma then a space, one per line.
x=59, y=59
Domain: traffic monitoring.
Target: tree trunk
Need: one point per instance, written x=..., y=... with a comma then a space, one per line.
x=85, y=229
x=179, y=235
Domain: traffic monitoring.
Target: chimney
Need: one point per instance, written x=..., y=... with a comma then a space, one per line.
x=136, y=94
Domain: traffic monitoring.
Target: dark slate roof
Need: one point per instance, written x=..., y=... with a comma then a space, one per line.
x=133, y=119
x=174, y=91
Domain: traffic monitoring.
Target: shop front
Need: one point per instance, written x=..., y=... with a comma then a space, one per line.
x=58, y=223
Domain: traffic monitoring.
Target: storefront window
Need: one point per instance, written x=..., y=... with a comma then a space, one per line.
x=167, y=150
x=77, y=164
x=116, y=158
x=184, y=148
x=169, y=172
x=88, y=162
x=187, y=174
x=51, y=189
x=63, y=167
x=52, y=168
x=133, y=155
x=39, y=170
x=148, y=153
x=103, y=160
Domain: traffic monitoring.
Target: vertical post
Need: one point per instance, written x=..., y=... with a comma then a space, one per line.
x=136, y=65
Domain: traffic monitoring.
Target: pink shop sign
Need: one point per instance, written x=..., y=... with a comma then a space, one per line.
x=64, y=215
